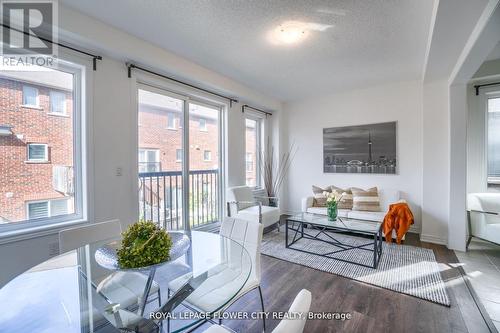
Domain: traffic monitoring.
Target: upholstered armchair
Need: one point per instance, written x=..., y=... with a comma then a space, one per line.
x=483, y=210
x=248, y=205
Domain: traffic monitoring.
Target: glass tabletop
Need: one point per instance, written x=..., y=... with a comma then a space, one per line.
x=72, y=293
x=342, y=223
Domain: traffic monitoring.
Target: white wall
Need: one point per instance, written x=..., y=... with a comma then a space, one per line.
x=304, y=122
x=435, y=177
x=114, y=127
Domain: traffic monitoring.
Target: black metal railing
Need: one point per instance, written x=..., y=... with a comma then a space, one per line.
x=160, y=198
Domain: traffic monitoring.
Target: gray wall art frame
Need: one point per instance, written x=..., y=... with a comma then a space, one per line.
x=362, y=149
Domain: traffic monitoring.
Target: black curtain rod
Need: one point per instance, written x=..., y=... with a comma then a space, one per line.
x=251, y=107
x=93, y=56
x=485, y=85
x=133, y=66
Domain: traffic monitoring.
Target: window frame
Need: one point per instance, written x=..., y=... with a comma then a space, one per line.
x=203, y=128
x=24, y=104
x=146, y=150
x=37, y=160
x=248, y=160
x=173, y=127
x=492, y=94
x=82, y=173
x=51, y=110
x=209, y=159
x=177, y=160
x=258, y=142
x=49, y=206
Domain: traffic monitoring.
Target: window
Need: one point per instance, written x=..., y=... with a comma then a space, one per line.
x=207, y=155
x=178, y=155
x=37, y=152
x=170, y=121
x=253, y=132
x=57, y=102
x=47, y=208
x=203, y=124
x=30, y=96
x=26, y=180
x=249, y=162
x=149, y=160
x=494, y=140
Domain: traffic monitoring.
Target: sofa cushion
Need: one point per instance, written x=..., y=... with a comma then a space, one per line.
x=319, y=197
x=346, y=201
x=368, y=216
x=365, y=200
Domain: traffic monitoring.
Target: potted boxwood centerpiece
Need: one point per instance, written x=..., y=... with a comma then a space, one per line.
x=332, y=200
x=144, y=245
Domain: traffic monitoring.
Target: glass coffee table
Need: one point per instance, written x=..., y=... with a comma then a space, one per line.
x=318, y=228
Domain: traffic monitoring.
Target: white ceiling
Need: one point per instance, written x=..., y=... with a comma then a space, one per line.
x=370, y=41
x=495, y=54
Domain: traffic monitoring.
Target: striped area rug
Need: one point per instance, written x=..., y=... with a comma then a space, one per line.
x=402, y=268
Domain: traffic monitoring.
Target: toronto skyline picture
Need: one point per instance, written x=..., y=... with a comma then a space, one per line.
x=360, y=149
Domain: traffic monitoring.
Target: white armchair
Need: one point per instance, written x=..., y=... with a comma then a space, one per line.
x=483, y=210
x=243, y=204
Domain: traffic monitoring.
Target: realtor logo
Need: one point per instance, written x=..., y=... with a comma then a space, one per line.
x=28, y=27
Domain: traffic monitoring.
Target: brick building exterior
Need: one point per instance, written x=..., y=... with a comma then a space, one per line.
x=24, y=179
x=160, y=131
x=43, y=186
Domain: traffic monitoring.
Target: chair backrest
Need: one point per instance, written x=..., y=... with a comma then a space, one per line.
x=248, y=234
x=72, y=238
x=301, y=304
x=240, y=193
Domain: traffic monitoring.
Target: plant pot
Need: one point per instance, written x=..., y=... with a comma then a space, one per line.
x=332, y=212
x=273, y=202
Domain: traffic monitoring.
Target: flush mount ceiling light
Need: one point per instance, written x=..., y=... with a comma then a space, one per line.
x=293, y=32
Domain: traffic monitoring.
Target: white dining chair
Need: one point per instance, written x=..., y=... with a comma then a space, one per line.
x=301, y=304
x=73, y=238
x=126, y=288
x=249, y=235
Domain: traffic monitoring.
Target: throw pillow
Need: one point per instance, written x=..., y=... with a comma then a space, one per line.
x=346, y=201
x=365, y=200
x=319, y=197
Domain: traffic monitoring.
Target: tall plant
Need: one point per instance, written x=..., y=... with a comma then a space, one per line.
x=274, y=169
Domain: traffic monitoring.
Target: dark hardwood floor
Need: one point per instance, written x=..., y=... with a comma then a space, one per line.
x=373, y=309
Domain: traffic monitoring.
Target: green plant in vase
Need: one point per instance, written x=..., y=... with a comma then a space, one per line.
x=144, y=244
x=332, y=200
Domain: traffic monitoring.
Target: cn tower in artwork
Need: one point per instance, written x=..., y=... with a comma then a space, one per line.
x=369, y=148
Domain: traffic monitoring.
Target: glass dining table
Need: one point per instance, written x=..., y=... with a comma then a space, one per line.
x=63, y=293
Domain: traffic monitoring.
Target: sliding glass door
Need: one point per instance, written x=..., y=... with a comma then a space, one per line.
x=204, y=157
x=178, y=184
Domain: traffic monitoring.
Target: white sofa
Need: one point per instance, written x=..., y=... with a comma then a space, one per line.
x=387, y=197
x=484, y=219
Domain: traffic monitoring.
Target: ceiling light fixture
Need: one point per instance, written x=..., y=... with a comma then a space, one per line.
x=293, y=32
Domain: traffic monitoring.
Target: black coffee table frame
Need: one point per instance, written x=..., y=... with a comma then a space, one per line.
x=374, y=246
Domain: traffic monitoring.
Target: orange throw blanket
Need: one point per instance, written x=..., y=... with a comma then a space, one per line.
x=399, y=218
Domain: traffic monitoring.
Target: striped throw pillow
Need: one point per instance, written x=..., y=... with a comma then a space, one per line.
x=319, y=197
x=365, y=200
x=346, y=201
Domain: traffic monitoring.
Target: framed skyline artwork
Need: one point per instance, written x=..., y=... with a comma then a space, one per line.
x=360, y=149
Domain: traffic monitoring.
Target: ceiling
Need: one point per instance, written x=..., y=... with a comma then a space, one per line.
x=495, y=54
x=366, y=42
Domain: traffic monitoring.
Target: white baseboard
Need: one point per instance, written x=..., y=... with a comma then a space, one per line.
x=433, y=239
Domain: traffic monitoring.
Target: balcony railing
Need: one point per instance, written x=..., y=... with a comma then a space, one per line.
x=160, y=198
